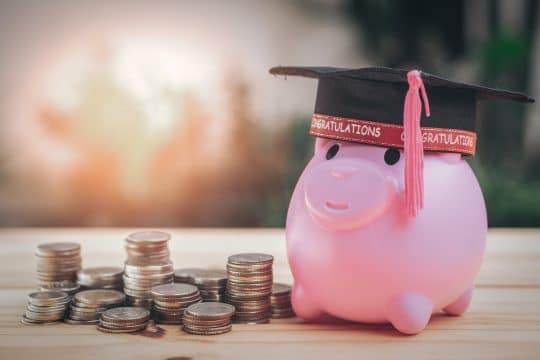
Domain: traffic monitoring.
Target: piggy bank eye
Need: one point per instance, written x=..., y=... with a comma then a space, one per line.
x=332, y=151
x=391, y=156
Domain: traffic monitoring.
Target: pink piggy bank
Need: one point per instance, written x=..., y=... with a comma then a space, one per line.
x=387, y=222
x=357, y=255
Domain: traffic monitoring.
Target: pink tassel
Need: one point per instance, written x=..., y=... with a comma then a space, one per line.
x=413, y=147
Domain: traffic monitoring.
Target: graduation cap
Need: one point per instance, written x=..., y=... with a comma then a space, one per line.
x=383, y=107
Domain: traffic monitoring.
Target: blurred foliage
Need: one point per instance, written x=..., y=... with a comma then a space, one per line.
x=503, y=52
x=396, y=33
x=187, y=182
x=510, y=200
x=299, y=148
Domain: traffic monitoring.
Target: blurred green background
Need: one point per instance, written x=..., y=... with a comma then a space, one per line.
x=137, y=113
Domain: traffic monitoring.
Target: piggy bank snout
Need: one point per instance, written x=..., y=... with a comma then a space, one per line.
x=346, y=194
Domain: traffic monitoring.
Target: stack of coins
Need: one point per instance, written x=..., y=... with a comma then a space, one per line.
x=211, y=282
x=57, y=262
x=147, y=265
x=187, y=275
x=105, y=277
x=170, y=301
x=148, y=248
x=45, y=307
x=249, y=286
x=88, y=305
x=281, y=301
x=124, y=320
x=69, y=287
x=211, y=318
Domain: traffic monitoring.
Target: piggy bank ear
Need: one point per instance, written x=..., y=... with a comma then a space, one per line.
x=320, y=144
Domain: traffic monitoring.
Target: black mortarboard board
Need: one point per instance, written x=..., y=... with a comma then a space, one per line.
x=372, y=105
x=377, y=95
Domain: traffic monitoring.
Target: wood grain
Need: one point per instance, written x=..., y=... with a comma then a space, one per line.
x=502, y=323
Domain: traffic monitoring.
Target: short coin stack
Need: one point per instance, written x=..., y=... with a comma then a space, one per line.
x=57, y=262
x=88, y=305
x=170, y=301
x=147, y=265
x=69, y=287
x=104, y=277
x=45, y=307
x=124, y=320
x=211, y=282
x=210, y=318
x=249, y=286
x=281, y=301
x=187, y=275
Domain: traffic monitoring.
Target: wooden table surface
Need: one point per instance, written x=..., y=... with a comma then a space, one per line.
x=502, y=323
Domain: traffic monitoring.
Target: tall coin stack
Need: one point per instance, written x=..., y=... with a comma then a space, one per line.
x=249, y=286
x=211, y=282
x=45, y=307
x=104, y=277
x=211, y=318
x=88, y=305
x=281, y=301
x=147, y=265
x=170, y=301
x=57, y=262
